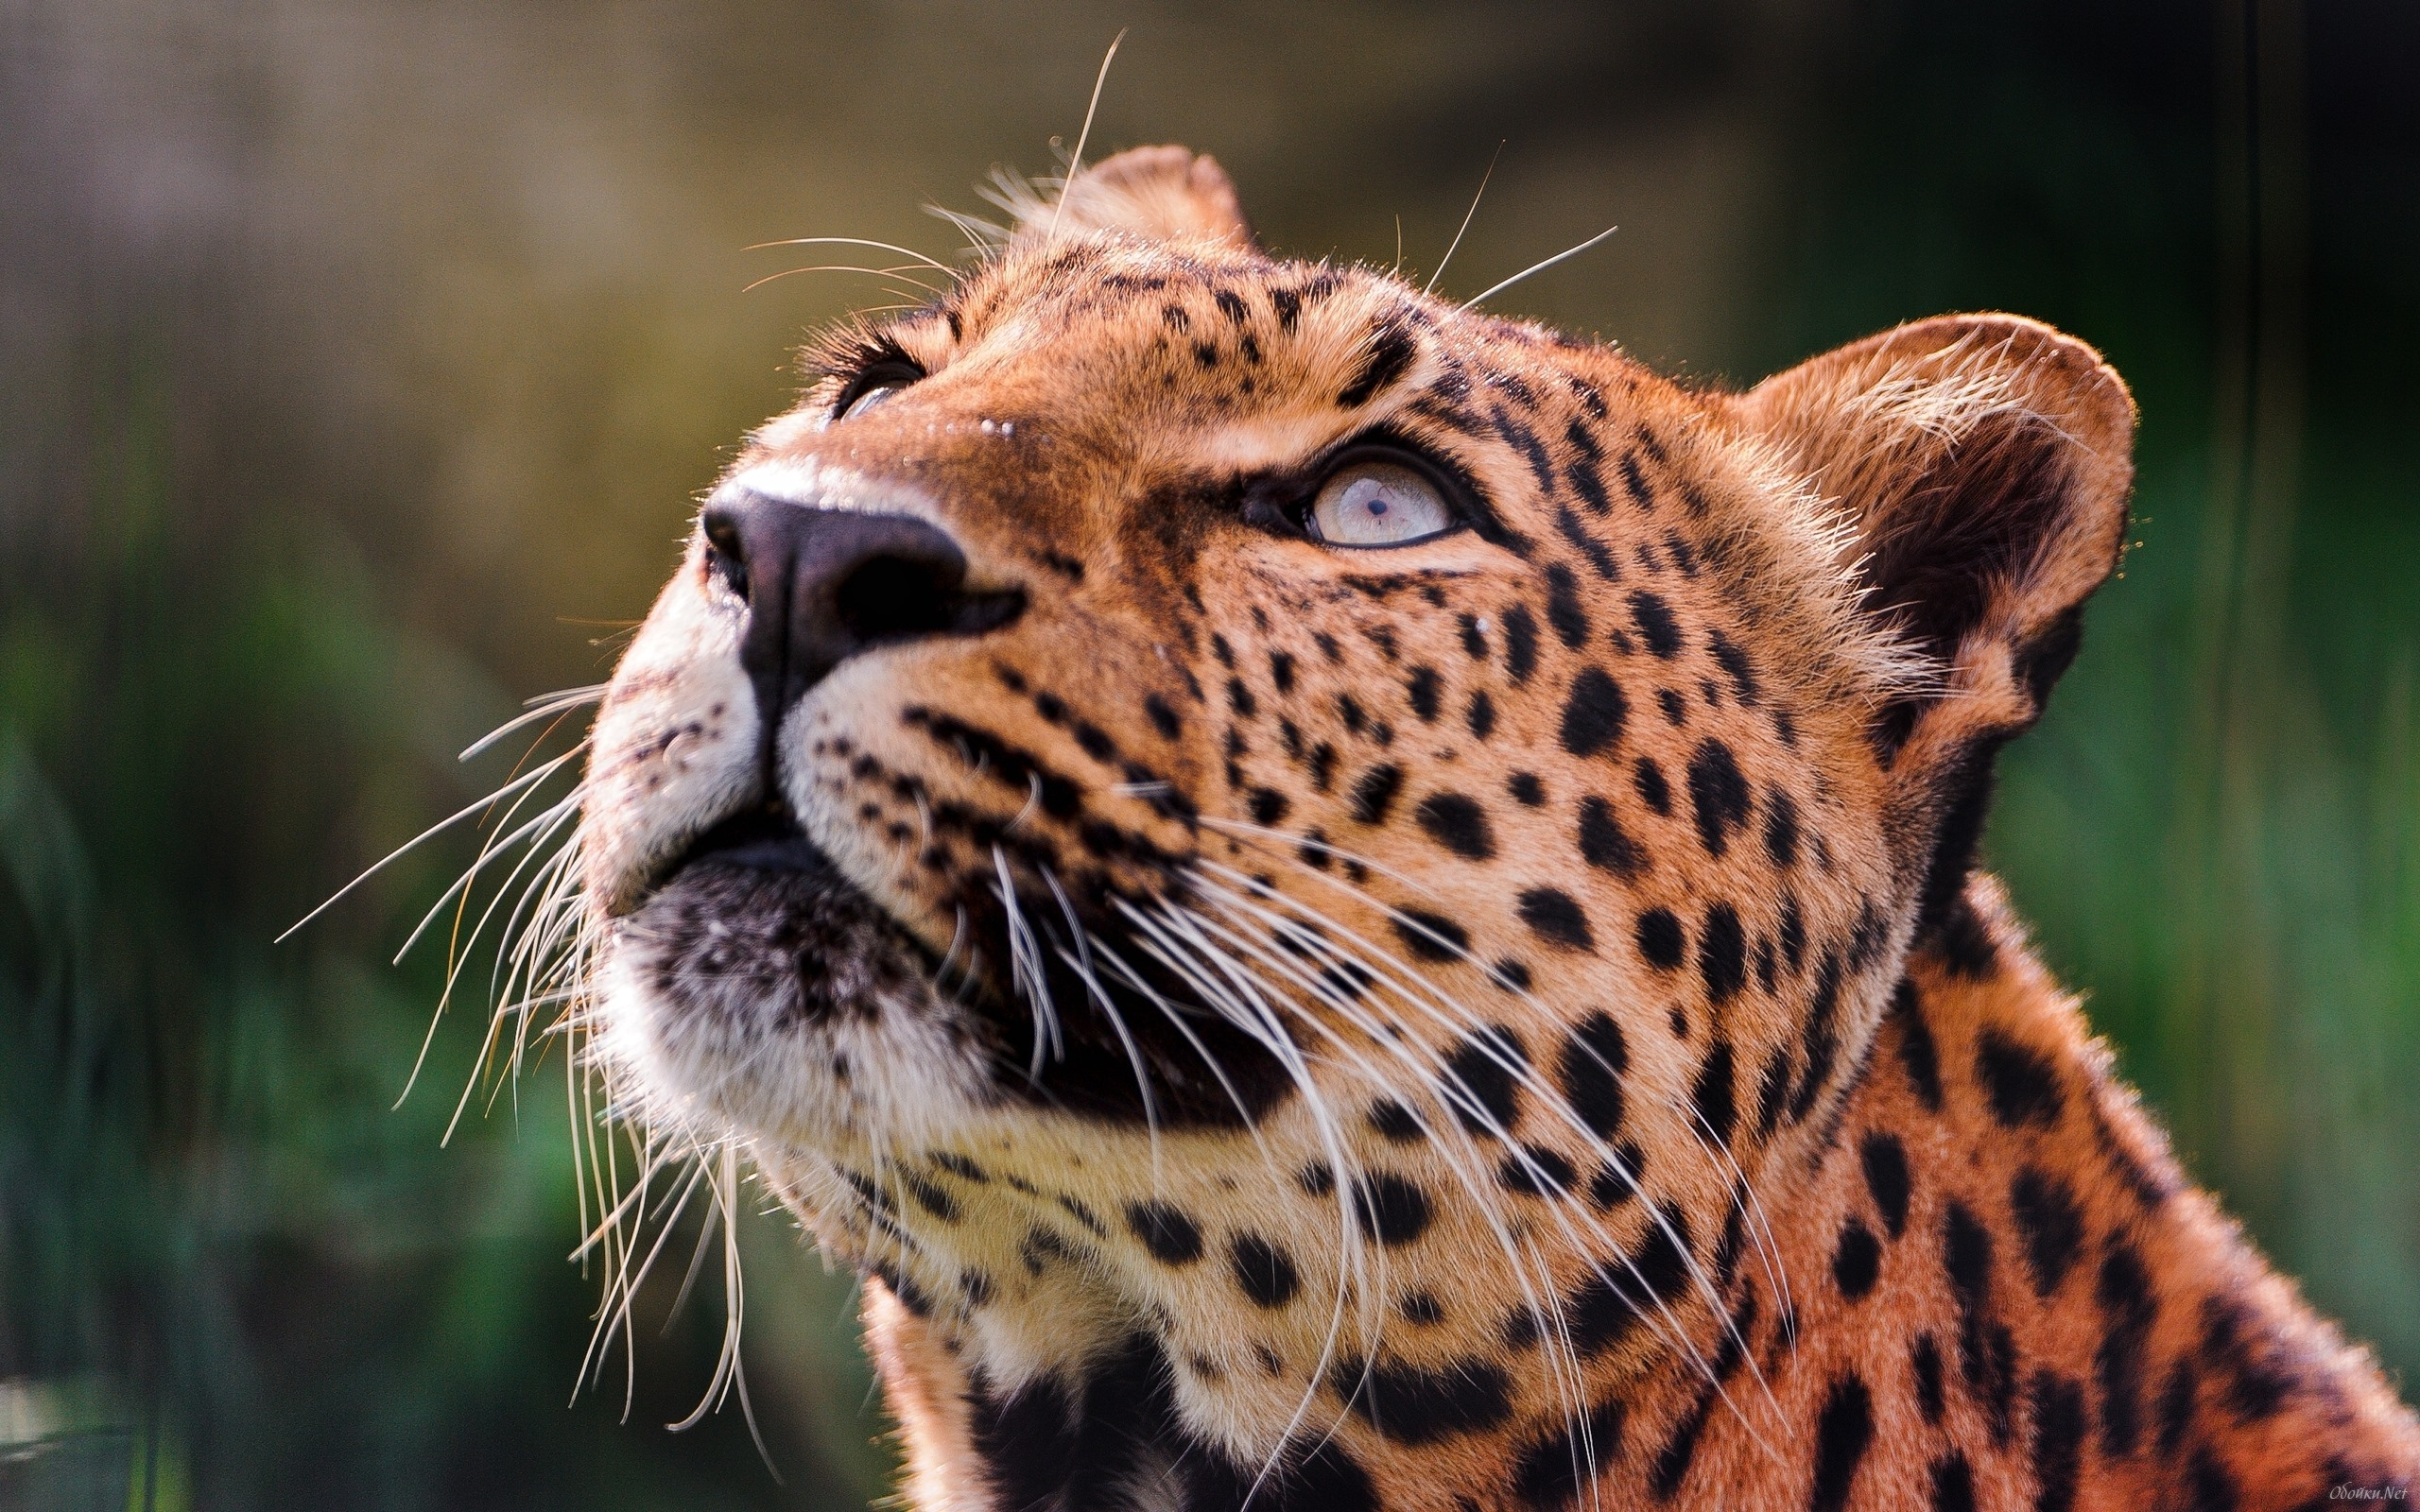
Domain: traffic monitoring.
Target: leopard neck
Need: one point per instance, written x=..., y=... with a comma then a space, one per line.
x=1984, y=1275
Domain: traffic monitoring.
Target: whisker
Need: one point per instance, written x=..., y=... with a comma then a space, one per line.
x=527, y=779
x=543, y=707
x=1456, y=242
x=1569, y=252
x=899, y=272
x=854, y=241
x=1076, y=158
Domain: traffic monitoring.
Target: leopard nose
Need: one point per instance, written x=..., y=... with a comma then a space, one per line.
x=822, y=585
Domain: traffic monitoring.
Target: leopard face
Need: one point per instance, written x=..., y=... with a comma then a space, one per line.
x=1190, y=798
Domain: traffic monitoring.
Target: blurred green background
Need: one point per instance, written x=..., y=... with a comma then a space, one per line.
x=359, y=361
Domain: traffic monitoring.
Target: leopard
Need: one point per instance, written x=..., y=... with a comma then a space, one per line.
x=1340, y=902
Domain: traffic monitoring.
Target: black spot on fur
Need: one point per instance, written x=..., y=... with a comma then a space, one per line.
x=2049, y=1225
x=1723, y=959
x=1661, y=941
x=1925, y=1362
x=960, y=1167
x=1617, y=1181
x=1916, y=1051
x=1267, y=805
x=1603, y=842
x=1431, y=936
x=2128, y=1309
x=1656, y=625
x=1535, y=1171
x=1480, y=717
x=1611, y=1304
x=1885, y=1160
x=2176, y=1404
x=1526, y=789
x=1171, y=1237
x=1557, y=918
x=1599, y=556
x=1459, y=823
x=2215, y=1488
x=1396, y=1124
x=1163, y=718
x=1281, y=671
x=1843, y=1431
x=1593, y=713
x=1735, y=666
x=1953, y=1484
x=1712, y=1094
x=1392, y=351
x=1481, y=1080
x=930, y=1196
x=1413, y=1404
x=1520, y=643
x=1265, y=1273
x=1962, y=942
x=1595, y=1055
x=1564, y=609
x=1474, y=638
x=1648, y=780
x=1391, y=1210
x=1718, y=793
x=1375, y=794
x=1857, y=1260
x=1422, y=686
x=1986, y=1354
x=2244, y=1356
x=1781, y=828
x=2058, y=1441
x=1552, y=1471
x=2019, y=1081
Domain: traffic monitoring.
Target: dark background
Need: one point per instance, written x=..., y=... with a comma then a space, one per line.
x=360, y=362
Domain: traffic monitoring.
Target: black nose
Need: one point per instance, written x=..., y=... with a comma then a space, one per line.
x=822, y=585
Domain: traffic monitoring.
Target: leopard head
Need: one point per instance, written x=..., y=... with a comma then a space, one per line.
x=1193, y=798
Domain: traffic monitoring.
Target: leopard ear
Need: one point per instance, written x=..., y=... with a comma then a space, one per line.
x=1984, y=463
x=1162, y=193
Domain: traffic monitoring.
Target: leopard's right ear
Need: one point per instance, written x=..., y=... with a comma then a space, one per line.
x=1161, y=193
x=1980, y=464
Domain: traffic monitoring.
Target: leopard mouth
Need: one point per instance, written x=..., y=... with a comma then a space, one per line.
x=754, y=920
x=753, y=933
x=765, y=839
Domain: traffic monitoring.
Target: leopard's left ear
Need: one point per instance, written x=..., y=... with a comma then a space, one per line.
x=1162, y=193
x=1984, y=463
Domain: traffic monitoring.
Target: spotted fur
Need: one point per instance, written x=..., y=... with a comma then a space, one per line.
x=1507, y=1022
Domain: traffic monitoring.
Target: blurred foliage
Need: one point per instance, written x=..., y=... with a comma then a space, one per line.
x=361, y=360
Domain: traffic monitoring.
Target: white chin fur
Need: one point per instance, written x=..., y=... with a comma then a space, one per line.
x=720, y=1054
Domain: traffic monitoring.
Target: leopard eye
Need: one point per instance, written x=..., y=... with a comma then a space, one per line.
x=1378, y=504
x=876, y=386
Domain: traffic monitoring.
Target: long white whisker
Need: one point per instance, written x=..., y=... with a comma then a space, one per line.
x=543, y=707
x=1075, y=160
x=854, y=241
x=1456, y=242
x=536, y=775
x=1473, y=302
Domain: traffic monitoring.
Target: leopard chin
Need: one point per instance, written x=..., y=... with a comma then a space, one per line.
x=757, y=989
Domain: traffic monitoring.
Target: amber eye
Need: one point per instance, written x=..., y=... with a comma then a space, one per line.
x=878, y=385
x=1379, y=503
